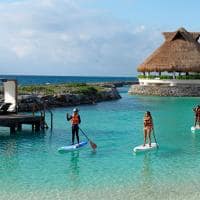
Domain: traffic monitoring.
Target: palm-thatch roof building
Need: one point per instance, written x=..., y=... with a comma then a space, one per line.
x=180, y=53
x=175, y=63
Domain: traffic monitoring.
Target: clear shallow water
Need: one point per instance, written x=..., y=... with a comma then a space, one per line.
x=31, y=167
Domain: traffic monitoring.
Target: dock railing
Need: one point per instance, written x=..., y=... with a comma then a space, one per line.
x=43, y=109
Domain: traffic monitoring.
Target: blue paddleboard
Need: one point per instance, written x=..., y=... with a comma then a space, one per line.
x=74, y=147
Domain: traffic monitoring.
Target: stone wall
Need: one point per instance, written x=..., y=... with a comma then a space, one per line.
x=176, y=91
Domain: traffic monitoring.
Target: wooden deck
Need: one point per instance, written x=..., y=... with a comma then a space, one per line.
x=15, y=121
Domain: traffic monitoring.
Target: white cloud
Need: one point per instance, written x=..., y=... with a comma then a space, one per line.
x=139, y=29
x=60, y=37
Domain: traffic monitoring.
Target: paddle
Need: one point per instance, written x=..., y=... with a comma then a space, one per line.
x=153, y=132
x=155, y=139
x=92, y=144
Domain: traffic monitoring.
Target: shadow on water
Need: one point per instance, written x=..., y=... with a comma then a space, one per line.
x=22, y=134
x=93, y=153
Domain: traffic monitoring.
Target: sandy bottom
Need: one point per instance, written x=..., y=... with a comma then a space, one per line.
x=171, y=192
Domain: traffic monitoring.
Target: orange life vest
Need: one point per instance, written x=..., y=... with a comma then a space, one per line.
x=75, y=119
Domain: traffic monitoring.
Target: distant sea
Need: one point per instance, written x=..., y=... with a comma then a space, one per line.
x=29, y=80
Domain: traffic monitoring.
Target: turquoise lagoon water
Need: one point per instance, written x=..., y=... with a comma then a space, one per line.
x=31, y=167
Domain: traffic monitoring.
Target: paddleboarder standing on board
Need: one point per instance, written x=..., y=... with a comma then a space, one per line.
x=148, y=127
x=197, y=115
x=75, y=121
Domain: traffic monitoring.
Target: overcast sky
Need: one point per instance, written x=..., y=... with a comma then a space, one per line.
x=87, y=37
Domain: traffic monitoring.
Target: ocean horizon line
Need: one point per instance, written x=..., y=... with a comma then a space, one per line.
x=96, y=76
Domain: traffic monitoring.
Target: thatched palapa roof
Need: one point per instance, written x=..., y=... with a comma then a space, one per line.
x=180, y=52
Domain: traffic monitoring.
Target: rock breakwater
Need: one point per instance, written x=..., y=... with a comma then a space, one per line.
x=176, y=91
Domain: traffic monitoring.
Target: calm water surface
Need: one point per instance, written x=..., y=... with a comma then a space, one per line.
x=29, y=80
x=31, y=167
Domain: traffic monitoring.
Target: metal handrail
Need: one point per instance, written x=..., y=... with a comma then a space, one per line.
x=44, y=112
x=51, y=114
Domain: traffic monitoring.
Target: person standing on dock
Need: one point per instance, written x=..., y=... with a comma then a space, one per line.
x=197, y=115
x=75, y=121
x=148, y=127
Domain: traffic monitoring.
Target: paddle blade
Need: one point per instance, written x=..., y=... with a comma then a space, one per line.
x=93, y=145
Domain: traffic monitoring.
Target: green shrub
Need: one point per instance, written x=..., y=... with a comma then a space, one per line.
x=154, y=76
x=182, y=77
x=166, y=77
x=148, y=77
x=74, y=84
x=87, y=90
x=73, y=88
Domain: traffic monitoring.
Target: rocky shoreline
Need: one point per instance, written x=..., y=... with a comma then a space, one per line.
x=174, y=91
x=115, y=84
x=27, y=102
x=38, y=100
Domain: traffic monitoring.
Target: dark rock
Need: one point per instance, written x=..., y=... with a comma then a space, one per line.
x=176, y=91
x=115, y=84
x=39, y=102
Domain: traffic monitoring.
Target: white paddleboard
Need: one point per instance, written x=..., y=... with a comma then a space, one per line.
x=142, y=148
x=195, y=128
x=74, y=147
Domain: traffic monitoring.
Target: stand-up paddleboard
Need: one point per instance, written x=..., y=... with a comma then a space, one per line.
x=195, y=128
x=74, y=147
x=142, y=148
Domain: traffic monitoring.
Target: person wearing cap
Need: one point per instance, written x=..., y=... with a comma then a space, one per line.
x=75, y=121
x=197, y=115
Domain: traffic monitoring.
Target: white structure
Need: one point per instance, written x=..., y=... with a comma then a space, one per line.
x=10, y=94
x=168, y=82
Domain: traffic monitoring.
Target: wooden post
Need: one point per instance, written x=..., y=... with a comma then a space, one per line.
x=33, y=127
x=51, y=121
x=19, y=127
x=12, y=129
x=37, y=126
x=33, y=109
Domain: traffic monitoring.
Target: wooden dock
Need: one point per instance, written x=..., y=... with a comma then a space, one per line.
x=15, y=121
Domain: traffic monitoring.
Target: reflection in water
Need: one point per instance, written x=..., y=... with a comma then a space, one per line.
x=14, y=149
x=147, y=172
x=10, y=147
x=195, y=140
x=74, y=169
x=8, y=163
